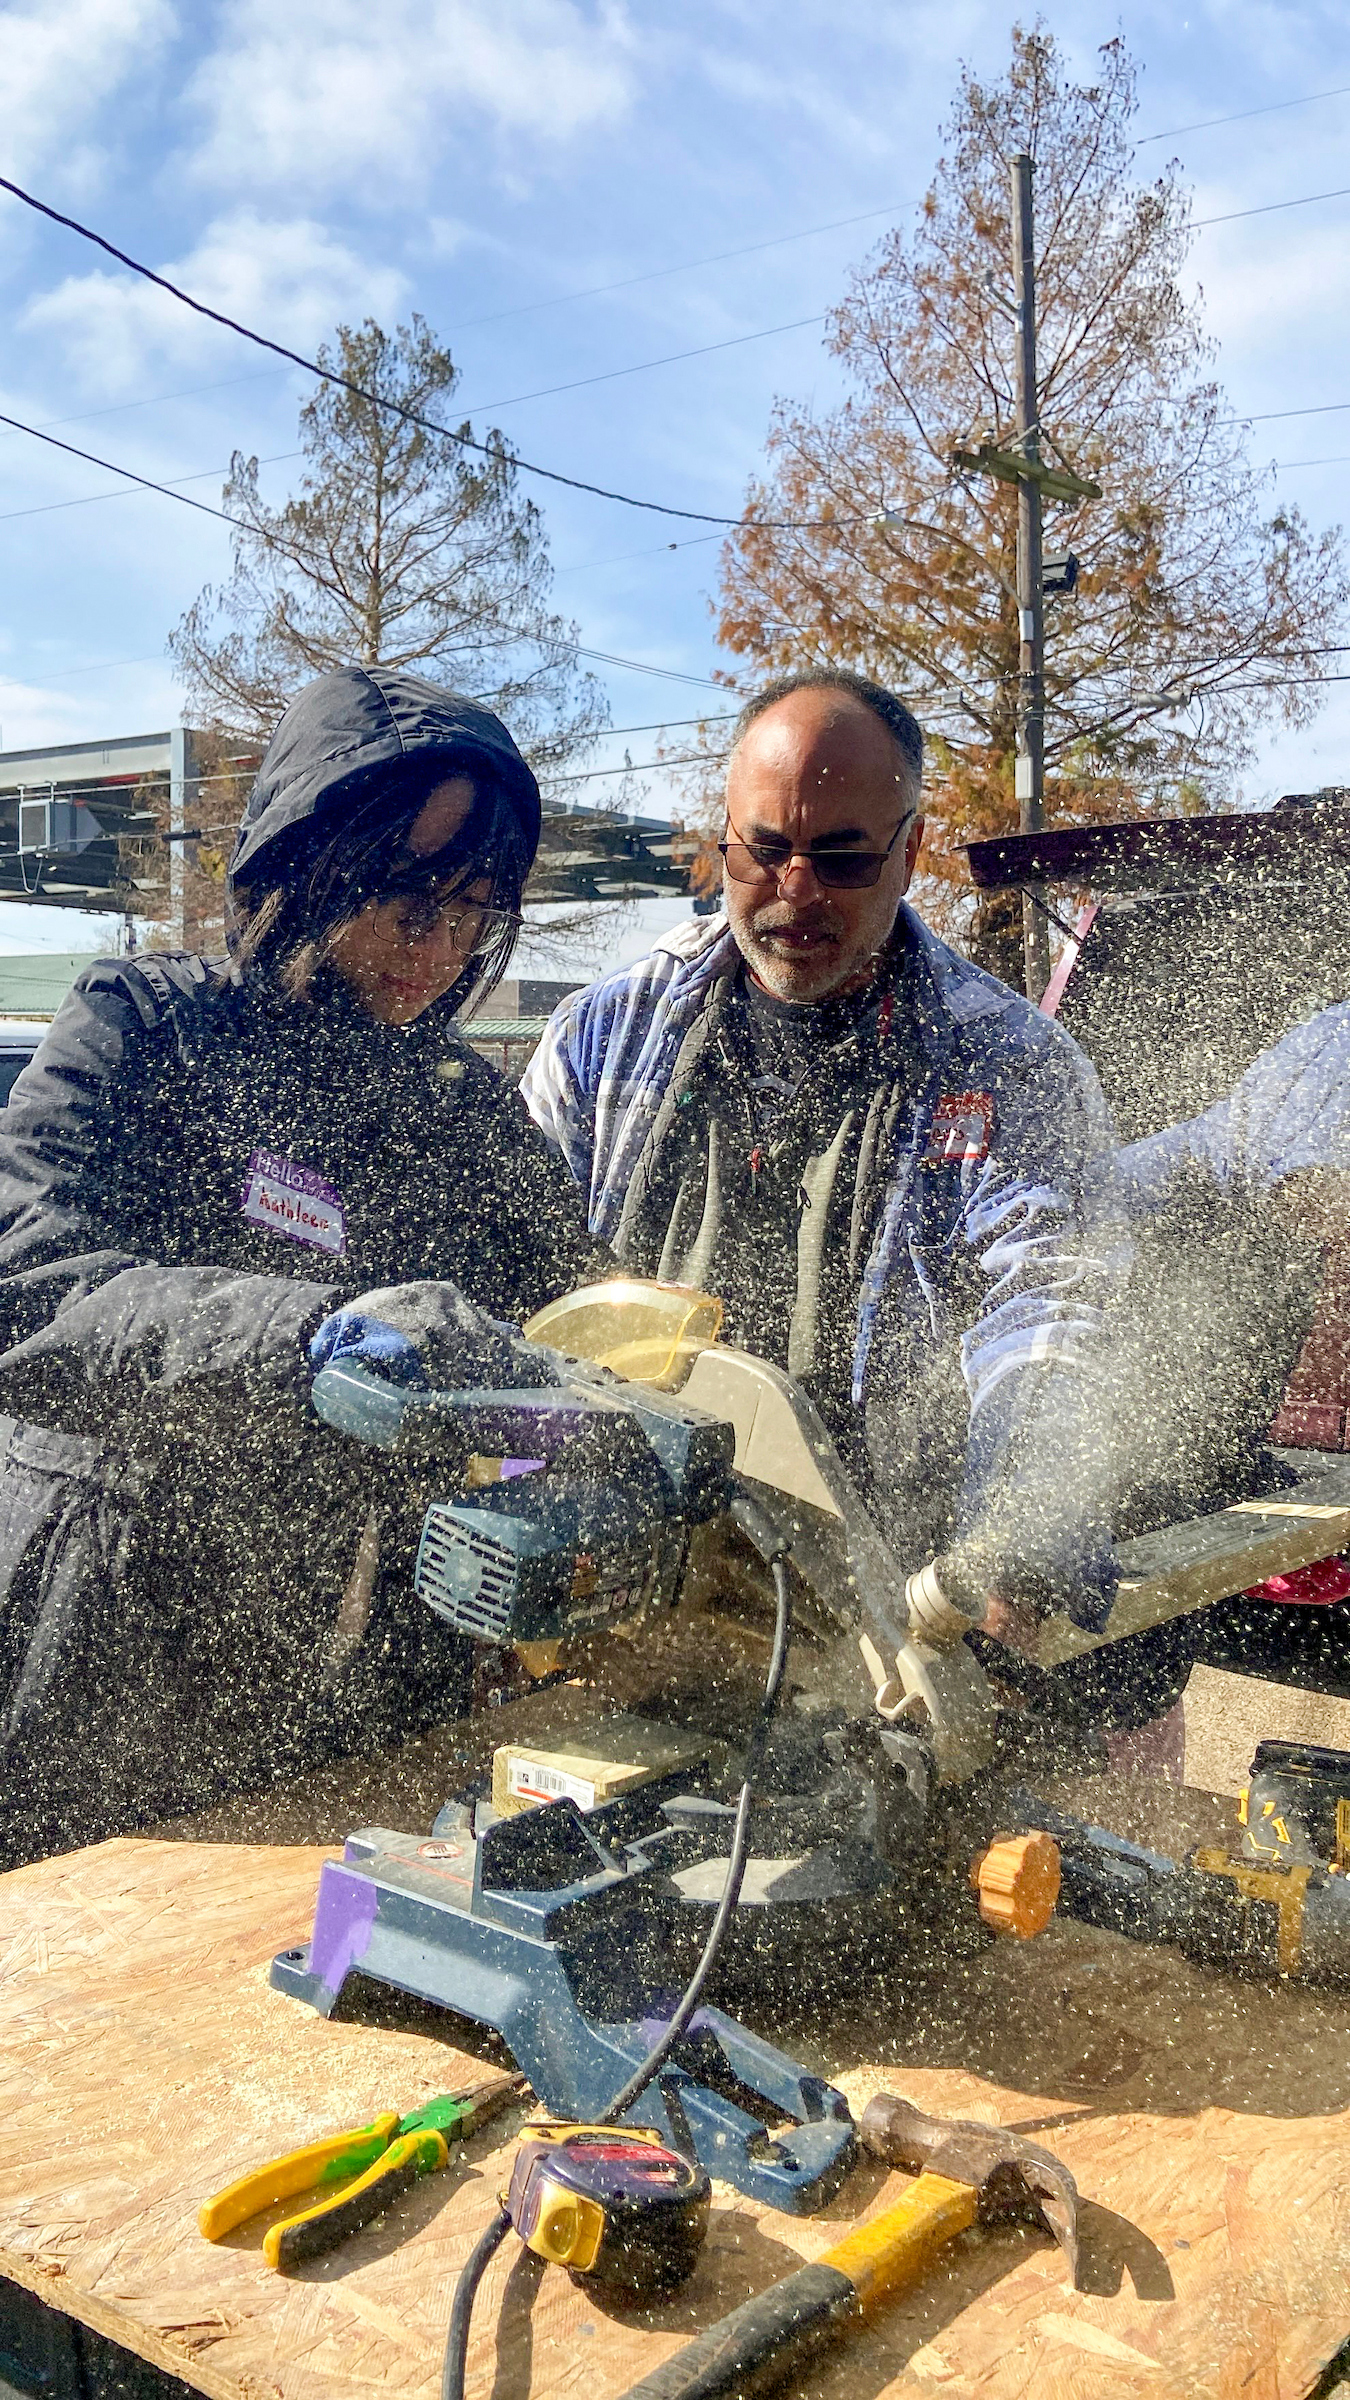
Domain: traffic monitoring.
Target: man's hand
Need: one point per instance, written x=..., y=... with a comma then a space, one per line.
x=1013, y=1623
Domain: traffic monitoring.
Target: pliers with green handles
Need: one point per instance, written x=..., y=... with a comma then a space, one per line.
x=371, y=2166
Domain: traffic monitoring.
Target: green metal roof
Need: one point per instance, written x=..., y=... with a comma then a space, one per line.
x=36, y=983
x=504, y=1029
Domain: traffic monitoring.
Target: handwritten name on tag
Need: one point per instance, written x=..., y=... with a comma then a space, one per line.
x=960, y=1132
x=296, y=1202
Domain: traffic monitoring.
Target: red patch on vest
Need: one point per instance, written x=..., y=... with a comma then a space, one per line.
x=963, y=1123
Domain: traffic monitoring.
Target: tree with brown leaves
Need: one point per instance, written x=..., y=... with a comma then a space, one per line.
x=1201, y=611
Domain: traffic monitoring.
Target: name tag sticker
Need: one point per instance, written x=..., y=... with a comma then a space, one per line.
x=296, y=1202
x=960, y=1132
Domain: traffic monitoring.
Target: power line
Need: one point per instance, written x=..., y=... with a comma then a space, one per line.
x=278, y=457
x=695, y=758
x=607, y=658
x=1272, y=416
x=611, y=375
x=1280, y=684
x=243, y=773
x=667, y=725
x=595, y=291
x=429, y=424
x=96, y=667
x=146, y=482
x=509, y=633
x=643, y=367
x=1269, y=208
x=1268, y=109
x=648, y=766
x=115, y=408
x=580, y=566
x=410, y=416
x=683, y=267
x=168, y=487
x=778, y=241
x=310, y=366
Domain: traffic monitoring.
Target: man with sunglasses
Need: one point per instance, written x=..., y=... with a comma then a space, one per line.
x=873, y=1152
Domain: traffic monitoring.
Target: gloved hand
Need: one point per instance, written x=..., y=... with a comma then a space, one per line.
x=429, y=1337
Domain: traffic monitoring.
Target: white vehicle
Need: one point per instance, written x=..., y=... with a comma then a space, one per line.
x=19, y=1038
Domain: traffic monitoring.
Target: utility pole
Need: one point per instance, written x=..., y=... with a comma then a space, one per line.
x=1029, y=768
x=182, y=792
x=1024, y=466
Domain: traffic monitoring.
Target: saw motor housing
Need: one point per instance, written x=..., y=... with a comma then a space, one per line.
x=545, y=1558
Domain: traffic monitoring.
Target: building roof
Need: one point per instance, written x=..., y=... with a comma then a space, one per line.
x=504, y=1029
x=36, y=983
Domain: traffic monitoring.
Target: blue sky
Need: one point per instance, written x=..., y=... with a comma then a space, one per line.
x=552, y=184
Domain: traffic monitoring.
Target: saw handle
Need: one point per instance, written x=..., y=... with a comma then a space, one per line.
x=534, y=1423
x=771, y=2337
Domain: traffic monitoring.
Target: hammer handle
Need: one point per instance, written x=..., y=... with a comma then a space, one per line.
x=769, y=2337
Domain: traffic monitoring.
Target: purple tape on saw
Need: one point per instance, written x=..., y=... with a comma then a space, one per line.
x=343, y=1921
x=702, y=2021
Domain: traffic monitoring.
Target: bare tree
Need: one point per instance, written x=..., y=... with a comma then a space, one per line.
x=402, y=548
x=1201, y=608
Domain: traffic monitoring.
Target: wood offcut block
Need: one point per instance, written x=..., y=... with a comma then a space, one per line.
x=1185, y=1567
x=613, y=1755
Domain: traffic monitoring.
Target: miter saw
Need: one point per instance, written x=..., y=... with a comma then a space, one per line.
x=625, y=1527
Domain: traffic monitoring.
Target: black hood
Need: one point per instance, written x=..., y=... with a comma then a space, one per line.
x=343, y=728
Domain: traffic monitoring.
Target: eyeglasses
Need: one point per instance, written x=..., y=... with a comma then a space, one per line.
x=837, y=870
x=415, y=916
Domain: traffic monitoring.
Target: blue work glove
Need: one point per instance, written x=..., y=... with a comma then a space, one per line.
x=348, y=1337
x=429, y=1337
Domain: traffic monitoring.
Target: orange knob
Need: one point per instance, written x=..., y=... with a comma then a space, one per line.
x=1017, y=1879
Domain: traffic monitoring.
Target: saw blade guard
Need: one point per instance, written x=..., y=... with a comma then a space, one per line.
x=784, y=1450
x=646, y=1332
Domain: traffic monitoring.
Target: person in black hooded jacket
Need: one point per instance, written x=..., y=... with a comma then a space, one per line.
x=200, y=1586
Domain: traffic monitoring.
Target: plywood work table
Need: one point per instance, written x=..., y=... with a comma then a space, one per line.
x=145, y=2061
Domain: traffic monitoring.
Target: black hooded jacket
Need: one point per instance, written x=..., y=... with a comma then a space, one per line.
x=194, y=1171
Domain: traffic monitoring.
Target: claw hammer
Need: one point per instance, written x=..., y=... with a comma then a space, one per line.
x=964, y=2173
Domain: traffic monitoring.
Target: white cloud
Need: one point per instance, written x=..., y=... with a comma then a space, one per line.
x=326, y=95
x=450, y=237
x=290, y=279
x=63, y=60
x=32, y=712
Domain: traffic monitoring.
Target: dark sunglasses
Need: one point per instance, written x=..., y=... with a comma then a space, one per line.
x=837, y=870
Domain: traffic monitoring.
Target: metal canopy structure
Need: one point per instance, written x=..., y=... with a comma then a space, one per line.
x=586, y=855
x=77, y=824
x=94, y=825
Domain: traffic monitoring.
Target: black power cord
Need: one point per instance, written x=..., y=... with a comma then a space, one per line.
x=772, y=1545
x=466, y=2292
